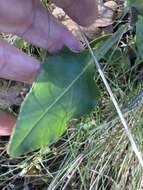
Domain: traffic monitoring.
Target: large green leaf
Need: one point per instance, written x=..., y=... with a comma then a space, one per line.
x=64, y=89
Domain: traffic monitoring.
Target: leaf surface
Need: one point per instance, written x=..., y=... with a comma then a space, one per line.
x=64, y=89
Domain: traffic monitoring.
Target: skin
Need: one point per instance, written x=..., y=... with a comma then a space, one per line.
x=7, y=122
x=29, y=20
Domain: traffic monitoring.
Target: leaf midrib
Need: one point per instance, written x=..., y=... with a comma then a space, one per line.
x=55, y=101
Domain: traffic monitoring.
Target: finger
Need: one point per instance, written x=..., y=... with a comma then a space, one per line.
x=15, y=14
x=7, y=123
x=46, y=32
x=84, y=12
x=16, y=65
x=50, y=34
x=34, y=24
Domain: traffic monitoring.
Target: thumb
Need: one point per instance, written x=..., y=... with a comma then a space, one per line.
x=84, y=12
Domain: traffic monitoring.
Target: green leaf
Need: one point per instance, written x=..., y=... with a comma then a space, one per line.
x=64, y=89
x=138, y=4
x=139, y=36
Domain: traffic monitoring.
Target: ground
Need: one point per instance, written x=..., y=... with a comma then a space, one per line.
x=95, y=152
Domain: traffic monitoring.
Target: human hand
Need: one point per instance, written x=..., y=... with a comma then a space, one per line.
x=29, y=20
